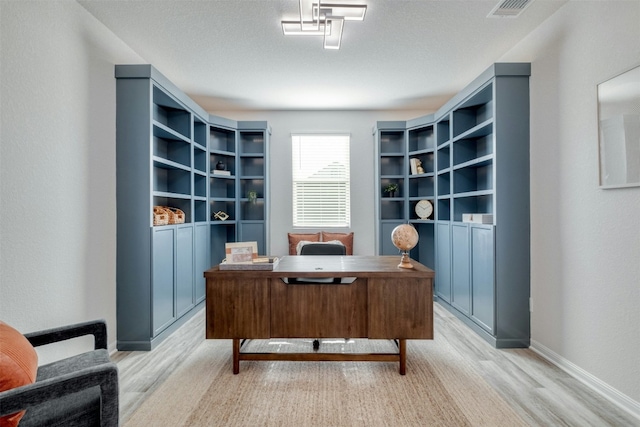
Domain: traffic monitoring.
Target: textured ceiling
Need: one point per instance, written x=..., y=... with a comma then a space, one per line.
x=232, y=55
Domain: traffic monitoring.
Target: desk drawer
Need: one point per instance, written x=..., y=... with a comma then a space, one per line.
x=319, y=311
x=400, y=308
x=238, y=308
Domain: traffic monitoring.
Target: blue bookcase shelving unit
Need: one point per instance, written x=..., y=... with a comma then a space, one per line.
x=474, y=153
x=167, y=149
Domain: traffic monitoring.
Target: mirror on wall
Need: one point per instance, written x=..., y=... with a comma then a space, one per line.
x=619, y=130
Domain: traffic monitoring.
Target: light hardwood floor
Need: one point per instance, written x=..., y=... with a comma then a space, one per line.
x=543, y=394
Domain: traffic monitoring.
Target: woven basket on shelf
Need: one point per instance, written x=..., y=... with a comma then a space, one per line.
x=160, y=216
x=176, y=216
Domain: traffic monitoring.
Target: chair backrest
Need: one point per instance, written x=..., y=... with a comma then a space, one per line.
x=323, y=249
x=320, y=249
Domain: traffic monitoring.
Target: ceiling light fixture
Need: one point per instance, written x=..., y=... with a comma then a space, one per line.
x=350, y=12
x=333, y=31
x=295, y=28
x=324, y=19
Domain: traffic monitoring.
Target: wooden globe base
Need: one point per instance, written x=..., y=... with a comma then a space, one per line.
x=405, y=261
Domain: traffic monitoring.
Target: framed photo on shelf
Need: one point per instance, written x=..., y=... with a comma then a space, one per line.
x=241, y=252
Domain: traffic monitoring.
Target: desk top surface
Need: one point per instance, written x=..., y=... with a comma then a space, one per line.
x=334, y=266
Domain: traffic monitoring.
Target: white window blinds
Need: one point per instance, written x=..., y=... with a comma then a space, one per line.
x=321, y=182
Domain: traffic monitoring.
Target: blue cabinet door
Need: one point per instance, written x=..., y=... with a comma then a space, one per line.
x=163, y=278
x=254, y=231
x=443, y=261
x=482, y=277
x=184, y=269
x=386, y=245
x=460, y=271
x=202, y=259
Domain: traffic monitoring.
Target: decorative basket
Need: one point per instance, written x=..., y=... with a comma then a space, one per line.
x=176, y=216
x=160, y=216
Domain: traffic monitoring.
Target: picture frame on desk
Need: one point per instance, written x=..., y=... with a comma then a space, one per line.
x=241, y=252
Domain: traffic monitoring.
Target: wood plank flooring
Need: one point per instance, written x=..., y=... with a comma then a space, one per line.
x=543, y=394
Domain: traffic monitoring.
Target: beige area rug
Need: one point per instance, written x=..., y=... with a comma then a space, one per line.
x=439, y=389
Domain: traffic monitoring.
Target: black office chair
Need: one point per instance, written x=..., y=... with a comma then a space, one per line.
x=321, y=249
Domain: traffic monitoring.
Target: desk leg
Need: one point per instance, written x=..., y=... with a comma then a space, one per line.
x=236, y=356
x=402, y=347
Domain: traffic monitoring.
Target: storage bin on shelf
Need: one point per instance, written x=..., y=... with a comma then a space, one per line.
x=160, y=216
x=176, y=216
x=163, y=215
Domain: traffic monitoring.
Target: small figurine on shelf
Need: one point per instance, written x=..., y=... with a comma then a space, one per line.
x=252, y=196
x=416, y=166
x=390, y=189
x=220, y=215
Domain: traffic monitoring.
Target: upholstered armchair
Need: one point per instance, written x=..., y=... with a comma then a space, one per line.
x=81, y=390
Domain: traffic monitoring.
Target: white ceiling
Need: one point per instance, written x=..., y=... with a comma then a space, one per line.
x=232, y=55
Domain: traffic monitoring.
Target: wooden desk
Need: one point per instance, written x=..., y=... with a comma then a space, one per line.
x=383, y=302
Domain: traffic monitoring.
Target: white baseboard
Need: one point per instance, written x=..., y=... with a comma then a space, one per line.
x=617, y=398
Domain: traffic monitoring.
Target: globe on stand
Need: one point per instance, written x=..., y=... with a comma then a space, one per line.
x=405, y=237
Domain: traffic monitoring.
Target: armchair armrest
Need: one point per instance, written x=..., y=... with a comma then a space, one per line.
x=97, y=328
x=104, y=375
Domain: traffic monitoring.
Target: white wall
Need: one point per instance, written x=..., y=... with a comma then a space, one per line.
x=585, y=241
x=57, y=173
x=359, y=124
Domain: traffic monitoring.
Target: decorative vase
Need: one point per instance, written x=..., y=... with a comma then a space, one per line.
x=221, y=166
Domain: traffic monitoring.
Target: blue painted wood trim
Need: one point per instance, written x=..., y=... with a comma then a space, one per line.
x=222, y=122
x=498, y=69
x=147, y=71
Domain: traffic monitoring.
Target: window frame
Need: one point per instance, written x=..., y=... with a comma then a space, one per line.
x=323, y=176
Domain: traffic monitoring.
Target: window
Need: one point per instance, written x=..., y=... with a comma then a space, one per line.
x=321, y=185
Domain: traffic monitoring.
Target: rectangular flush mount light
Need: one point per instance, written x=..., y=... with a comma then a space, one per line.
x=324, y=19
x=350, y=12
x=297, y=28
x=333, y=32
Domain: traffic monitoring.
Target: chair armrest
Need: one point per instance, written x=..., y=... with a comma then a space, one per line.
x=97, y=328
x=104, y=375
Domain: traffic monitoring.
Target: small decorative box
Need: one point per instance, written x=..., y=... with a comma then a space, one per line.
x=478, y=218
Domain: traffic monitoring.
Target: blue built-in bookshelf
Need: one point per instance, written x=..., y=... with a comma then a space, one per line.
x=167, y=149
x=474, y=159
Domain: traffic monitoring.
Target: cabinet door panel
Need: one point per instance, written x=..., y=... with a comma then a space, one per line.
x=386, y=245
x=202, y=259
x=443, y=262
x=460, y=272
x=482, y=278
x=184, y=269
x=163, y=278
x=254, y=231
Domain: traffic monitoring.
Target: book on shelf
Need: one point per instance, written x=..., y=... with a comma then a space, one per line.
x=262, y=263
x=265, y=260
x=414, y=166
x=219, y=172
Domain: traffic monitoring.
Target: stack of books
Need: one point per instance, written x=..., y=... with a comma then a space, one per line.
x=260, y=263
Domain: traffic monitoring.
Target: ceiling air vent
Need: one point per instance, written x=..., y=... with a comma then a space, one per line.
x=509, y=8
